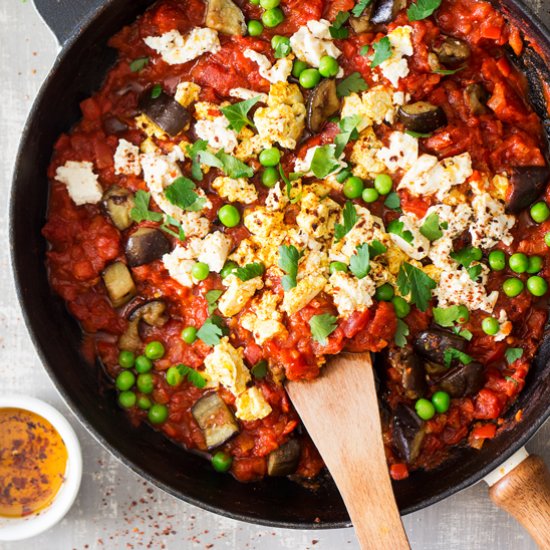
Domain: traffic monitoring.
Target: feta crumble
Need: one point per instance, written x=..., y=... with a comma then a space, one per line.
x=251, y=405
x=349, y=293
x=313, y=41
x=279, y=72
x=81, y=182
x=127, y=159
x=396, y=67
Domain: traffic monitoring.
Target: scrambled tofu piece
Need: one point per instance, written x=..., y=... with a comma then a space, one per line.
x=251, y=405
x=263, y=223
x=364, y=155
x=300, y=296
x=264, y=318
x=187, y=93
x=490, y=224
x=225, y=366
x=179, y=265
x=237, y=294
x=373, y=106
x=499, y=187
x=318, y=215
x=313, y=41
x=419, y=246
x=349, y=293
x=149, y=128
x=401, y=153
x=235, y=190
x=127, y=159
x=283, y=120
x=214, y=250
x=395, y=257
x=278, y=73
x=81, y=182
x=396, y=67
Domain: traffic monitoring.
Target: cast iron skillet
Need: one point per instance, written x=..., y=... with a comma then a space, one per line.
x=83, y=27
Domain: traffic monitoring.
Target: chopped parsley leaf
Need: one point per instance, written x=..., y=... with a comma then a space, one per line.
x=181, y=193
x=448, y=71
x=446, y=316
x=400, y=336
x=513, y=354
x=139, y=64
x=322, y=326
x=324, y=161
x=414, y=281
x=359, y=263
x=417, y=134
x=364, y=50
x=141, y=211
x=337, y=29
x=237, y=114
x=350, y=219
x=360, y=7
x=352, y=84
x=348, y=131
x=249, y=271
x=195, y=377
x=422, y=9
x=393, y=202
x=210, y=332
x=289, y=256
x=396, y=227
x=382, y=52
x=465, y=256
x=431, y=228
x=212, y=297
x=450, y=354
x=376, y=248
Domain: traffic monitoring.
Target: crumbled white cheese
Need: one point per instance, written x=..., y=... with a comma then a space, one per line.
x=491, y=224
x=264, y=318
x=245, y=94
x=505, y=326
x=396, y=67
x=187, y=93
x=215, y=249
x=428, y=176
x=457, y=218
x=313, y=41
x=235, y=190
x=225, y=366
x=127, y=159
x=456, y=288
x=237, y=294
x=176, y=49
x=419, y=247
x=373, y=106
x=401, y=153
x=283, y=120
x=179, y=266
x=279, y=72
x=317, y=216
x=217, y=133
x=251, y=405
x=364, y=155
x=349, y=293
x=299, y=297
x=81, y=182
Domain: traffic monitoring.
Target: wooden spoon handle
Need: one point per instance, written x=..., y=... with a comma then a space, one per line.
x=525, y=494
x=340, y=412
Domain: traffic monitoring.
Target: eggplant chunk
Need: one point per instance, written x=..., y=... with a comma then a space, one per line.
x=130, y=339
x=284, y=460
x=363, y=23
x=422, y=117
x=226, y=17
x=152, y=312
x=452, y=51
x=146, y=245
x=431, y=344
x=119, y=283
x=476, y=97
x=463, y=380
x=323, y=103
x=408, y=432
x=214, y=419
x=113, y=125
x=413, y=376
x=386, y=11
x=118, y=203
x=526, y=185
x=165, y=112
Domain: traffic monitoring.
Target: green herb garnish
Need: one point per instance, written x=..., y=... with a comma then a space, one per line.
x=237, y=114
x=322, y=326
x=414, y=281
x=350, y=219
x=352, y=84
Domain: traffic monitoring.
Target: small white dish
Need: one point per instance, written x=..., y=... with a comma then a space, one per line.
x=12, y=529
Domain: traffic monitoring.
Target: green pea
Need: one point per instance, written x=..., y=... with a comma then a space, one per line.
x=279, y=40
x=353, y=188
x=370, y=194
x=269, y=4
x=497, y=260
x=255, y=28
x=384, y=293
x=200, y=271
x=229, y=215
x=328, y=66
x=143, y=364
x=490, y=326
x=298, y=68
x=309, y=78
x=259, y=370
x=424, y=409
x=383, y=183
x=337, y=266
x=512, y=287
x=534, y=265
x=540, y=212
x=145, y=383
x=126, y=359
x=154, y=350
x=401, y=306
x=189, y=335
x=270, y=157
x=537, y=286
x=173, y=376
x=125, y=380
x=518, y=262
x=144, y=403
x=273, y=17
x=441, y=401
x=547, y=239
x=270, y=176
x=127, y=399
x=477, y=254
x=221, y=462
x=157, y=413
x=463, y=314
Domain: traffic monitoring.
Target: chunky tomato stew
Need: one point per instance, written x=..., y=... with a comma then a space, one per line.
x=260, y=185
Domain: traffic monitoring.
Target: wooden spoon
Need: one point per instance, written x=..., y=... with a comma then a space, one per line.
x=340, y=411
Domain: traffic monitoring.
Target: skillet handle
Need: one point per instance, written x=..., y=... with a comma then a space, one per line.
x=524, y=492
x=66, y=17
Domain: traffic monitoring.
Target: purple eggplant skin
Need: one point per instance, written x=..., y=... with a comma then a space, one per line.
x=408, y=432
x=463, y=380
x=214, y=418
x=422, y=117
x=323, y=103
x=413, y=375
x=452, y=51
x=476, y=97
x=164, y=111
x=146, y=245
x=431, y=345
x=526, y=185
x=363, y=23
x=386, y=11
x=284, y=460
